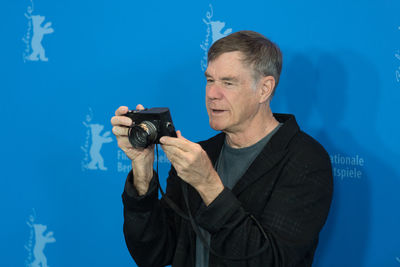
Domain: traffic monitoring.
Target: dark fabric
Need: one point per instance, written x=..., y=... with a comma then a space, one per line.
x=232, y=163
x=288, y=189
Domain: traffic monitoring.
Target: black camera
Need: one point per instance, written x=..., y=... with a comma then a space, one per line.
x=149, y=125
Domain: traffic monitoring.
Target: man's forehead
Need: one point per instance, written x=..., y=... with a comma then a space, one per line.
x=227, y=64
x=229, y=56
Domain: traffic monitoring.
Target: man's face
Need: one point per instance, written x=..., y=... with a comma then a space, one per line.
x=232, y=100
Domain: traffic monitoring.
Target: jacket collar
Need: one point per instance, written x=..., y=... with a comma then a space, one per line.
x=271, y=154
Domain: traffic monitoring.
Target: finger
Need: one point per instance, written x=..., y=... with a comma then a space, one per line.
x=120, y=131
x=169, y=141
x=121, y=121
x=123, y=142
x=139, y=107
x=176, y=163
x=172, y=151
x=172, y=155
x=180, y=136
x=121, y=110
x=181, y=143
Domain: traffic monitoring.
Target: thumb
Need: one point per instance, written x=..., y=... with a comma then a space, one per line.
x=179, y=135
x=139, y=107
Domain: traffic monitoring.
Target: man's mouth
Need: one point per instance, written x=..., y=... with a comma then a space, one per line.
x=217, y=111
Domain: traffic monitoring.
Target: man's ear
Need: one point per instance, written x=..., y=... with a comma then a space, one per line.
x=267, y=85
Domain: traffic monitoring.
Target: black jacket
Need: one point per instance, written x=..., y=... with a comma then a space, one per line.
x=288, y=189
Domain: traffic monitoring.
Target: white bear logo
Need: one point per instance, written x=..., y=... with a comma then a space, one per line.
x=93, y=143
x=98, y=140
x=39, y=31
x=216, y=29
x=40, y=242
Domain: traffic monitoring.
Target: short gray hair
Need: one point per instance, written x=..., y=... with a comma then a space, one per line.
x=259, y=52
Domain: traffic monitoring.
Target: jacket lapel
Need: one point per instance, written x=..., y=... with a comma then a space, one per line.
x=264, y=162
x=213, y=147
x=272, y=153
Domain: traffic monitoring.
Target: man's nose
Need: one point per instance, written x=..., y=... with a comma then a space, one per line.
x=213, y=91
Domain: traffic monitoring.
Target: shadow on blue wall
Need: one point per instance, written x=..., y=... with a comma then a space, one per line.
x=316, y=89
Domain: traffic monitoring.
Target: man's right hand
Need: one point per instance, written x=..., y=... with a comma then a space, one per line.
x=142, y=159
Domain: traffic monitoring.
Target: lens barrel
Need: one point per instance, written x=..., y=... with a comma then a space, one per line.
x=142, y=135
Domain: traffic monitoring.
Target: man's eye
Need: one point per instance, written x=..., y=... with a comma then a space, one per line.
x=210, y=80
x=228, y=83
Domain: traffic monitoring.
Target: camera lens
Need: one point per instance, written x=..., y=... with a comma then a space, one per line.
x=143, y=134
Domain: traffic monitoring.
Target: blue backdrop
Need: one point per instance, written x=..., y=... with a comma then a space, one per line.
x=68, y=65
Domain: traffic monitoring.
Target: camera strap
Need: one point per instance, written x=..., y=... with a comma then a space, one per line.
x=196, y=228
x=170, y=203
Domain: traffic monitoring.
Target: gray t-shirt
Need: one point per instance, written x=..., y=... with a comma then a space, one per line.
x=231, y=165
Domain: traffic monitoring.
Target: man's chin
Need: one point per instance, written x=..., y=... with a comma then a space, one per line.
x=216, y=126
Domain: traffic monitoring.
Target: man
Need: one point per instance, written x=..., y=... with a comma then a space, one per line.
x=259, y=192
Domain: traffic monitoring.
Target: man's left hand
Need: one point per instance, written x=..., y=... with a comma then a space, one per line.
x=193, y=165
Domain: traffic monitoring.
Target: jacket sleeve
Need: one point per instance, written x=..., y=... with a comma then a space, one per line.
x=291, y=220
x=149, y=226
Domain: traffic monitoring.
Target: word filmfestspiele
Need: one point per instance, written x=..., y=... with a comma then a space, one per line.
x=347, y=166
x=124, y=163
